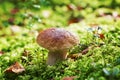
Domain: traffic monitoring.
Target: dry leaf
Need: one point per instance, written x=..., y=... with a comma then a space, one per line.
x=102, y=14
x=11, y=20
x=71, y=7
x=1, y=53
x=101, y=36
x=14, y=11
x=26, y=53
x=79, y=7
x=74, y=20
x=15, y=68
x=26, y=56
x=87, y=49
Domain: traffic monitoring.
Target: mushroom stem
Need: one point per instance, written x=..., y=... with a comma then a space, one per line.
x=54, y=57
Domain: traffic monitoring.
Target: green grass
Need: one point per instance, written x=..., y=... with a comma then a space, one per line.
x=102, y=62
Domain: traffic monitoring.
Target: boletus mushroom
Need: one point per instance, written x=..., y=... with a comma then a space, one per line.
x=58, y=41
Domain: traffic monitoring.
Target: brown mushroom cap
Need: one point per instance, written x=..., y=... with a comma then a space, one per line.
x=57, y=39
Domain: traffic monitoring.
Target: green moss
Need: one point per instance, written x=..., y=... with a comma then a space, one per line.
x=100, y=62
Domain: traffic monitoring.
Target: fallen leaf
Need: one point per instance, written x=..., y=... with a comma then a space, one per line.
x=26, y=53
x=11, y=20
x=79, y=8
x=85, y=51
x=101, y=36
x=71, y=7
x=74, y=20
x=14, y=11
x=26, y=56
x=118, y=16
x=15, y=68
x=1, y=53
x=109, y=13
x=103, y=14
x=69, y=78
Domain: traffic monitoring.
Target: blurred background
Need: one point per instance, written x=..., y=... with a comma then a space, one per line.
x=48, y=13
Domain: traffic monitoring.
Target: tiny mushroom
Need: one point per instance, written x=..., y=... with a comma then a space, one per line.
x=58, y=41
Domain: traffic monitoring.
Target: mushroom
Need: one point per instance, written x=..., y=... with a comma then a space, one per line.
x=58, y=41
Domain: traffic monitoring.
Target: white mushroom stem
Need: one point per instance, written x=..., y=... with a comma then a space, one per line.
x=54, y=57
x=57, y=41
